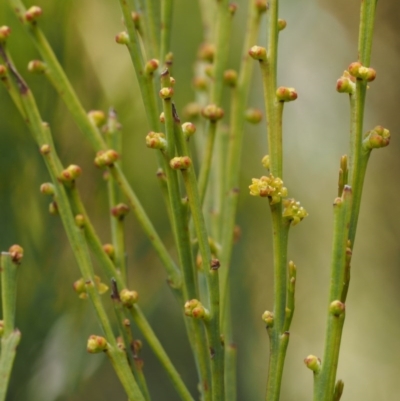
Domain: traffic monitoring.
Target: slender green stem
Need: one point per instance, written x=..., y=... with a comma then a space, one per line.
x=153, y=29
x=8, y=271
x=166, y=28
x=9, y=346
x=207, y=9
x=324, y=380
x=210, y=269
x=367, y=21
x=231, y=372
x=239, y=103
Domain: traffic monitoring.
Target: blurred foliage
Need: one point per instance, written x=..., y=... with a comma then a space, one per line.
x=318, y=44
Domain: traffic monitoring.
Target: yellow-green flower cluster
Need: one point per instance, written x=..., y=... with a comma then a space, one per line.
x=268, y=186
x=293, y=211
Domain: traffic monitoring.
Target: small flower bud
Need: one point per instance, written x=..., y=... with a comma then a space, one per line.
x=313, y=363
x=136, y=17
x=109, y=250
x=36, y=67
x=162, y=117
x=195, y=309
x=106, y=158
x=120, y=211
x=253, y=116
x=379, y=137
x=166, y=93
x=268, y=318
x=97, y=117
x=151, y=66
x=79, y=287
x=80, y=220
x=122, y=38
x=230, y=78
x=96, y=344
x=261, y=6
x=357, y=70
x=285, y=94
x=206, y=52
x=337, y=308
x=192, y=111
x=33, y=13
x=268, y=186
x=212, y=112
x=3, y=71
x=156, y=140
x=71, y=173
x=265, y=161
x=47, y=188
x=16, y=253
x=346, y=83
x=5, y=32
x=180, y=163
x=45, y=149
x=293, y=211
x=281, y=24
x=200, y=83
x=233, y=8
x=128, y=298
x=258, y=53
x=172, y=81
x=53, y=208
x=188, y=129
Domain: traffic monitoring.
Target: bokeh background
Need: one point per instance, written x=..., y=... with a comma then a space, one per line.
x=318, y=44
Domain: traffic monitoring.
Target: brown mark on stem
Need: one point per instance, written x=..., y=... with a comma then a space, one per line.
x=23, y=87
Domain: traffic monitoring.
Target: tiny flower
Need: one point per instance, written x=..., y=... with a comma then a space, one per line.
x=180, y=163
x=200, y=83
x=253, y=116
x=71, y=173
x=97, y=117
x=53, y=208
x=206, y=52
x=188, y=129
x=5, y=32
x=261, y=6
x=45, y=149
x=151, y=66
x=3, y=71
x=230, y=78
x=195, y=309
x=106, y=158
x=268, y=318
x=293, y=211
x=379, y=137
x=36, y=67
x=17, y=253
x=128, y=297
x=80, y=220
x=120, y=211
x=346, y=83
x=109, y=250
x=268, y=186
x=33, y=13
x=285, y=94
x=358, y=71
x=258, y=53
x=156, y=140
x=265, y=161
x=212, y=112
x=162, y=117
x=96, y=344
x=166, y=93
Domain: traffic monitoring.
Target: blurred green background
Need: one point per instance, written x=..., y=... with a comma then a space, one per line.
x=318, y=44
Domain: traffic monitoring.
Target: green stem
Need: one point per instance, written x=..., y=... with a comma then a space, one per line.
x=211, y=274
x=324, y=380
x=166, y=28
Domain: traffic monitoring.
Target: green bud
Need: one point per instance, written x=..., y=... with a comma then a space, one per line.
x=47, y=188
x=71, y=173
x=206, y=52
x=253, y=116
x=313, y=363
x=258, y=53
x=265, y=161
x=261, y=6
x=106, y=158
x=188, y=129
x=285, y=94
x=122, y=38
x=156, y=140
x=180, y=163
x=379, y=137
x=120, y=211
x=53, y=208
x=200, y=83
x=233, y=8
x=151, y=66
x=80, y=220
x=230, y=78
x=166, y=93
x=3, y=70
x=5, y=32
x=337, y=308
x=128, y=297
x=45, y=149
x=17, y=253
x=281, y=24
x=268, y=318
x=97, y=117
x=346, y=83
x=36, y=67
x=33, y=13
x=109, y=250
x=96, y=344
x=212, y=112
